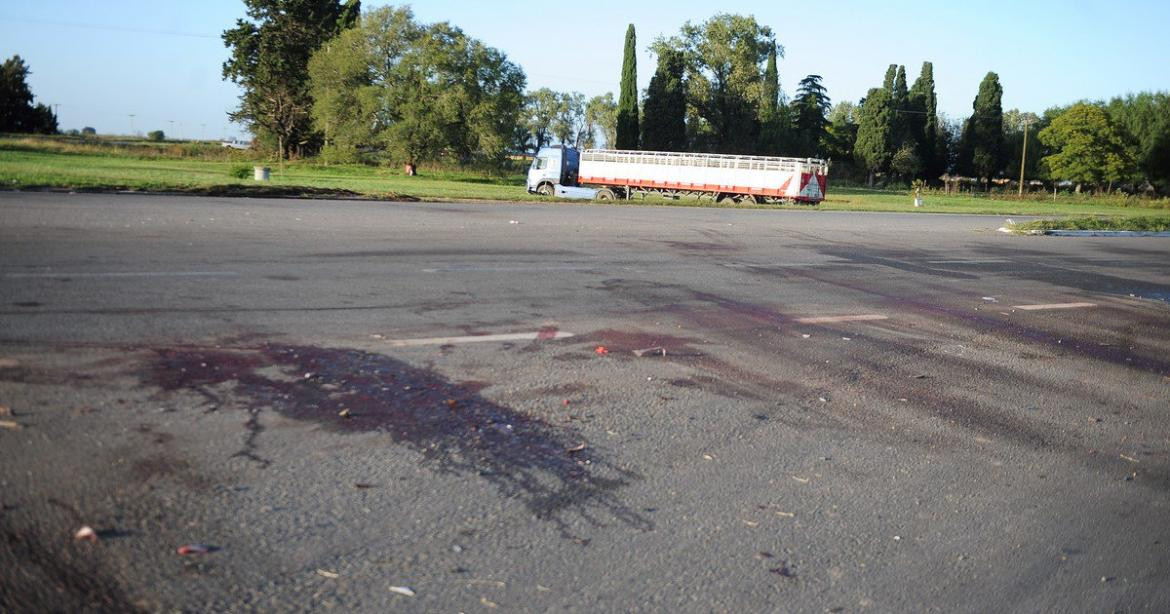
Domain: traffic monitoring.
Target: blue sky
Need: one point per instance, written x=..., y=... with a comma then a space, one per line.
x=160, y=60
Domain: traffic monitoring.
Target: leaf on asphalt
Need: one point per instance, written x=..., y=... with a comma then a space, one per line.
x=402, y=590
x=324, y=573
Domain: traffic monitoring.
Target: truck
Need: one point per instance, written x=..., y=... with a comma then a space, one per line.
x=610, y=174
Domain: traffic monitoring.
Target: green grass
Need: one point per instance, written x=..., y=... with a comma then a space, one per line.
x=205, y=168
x=1147, y=223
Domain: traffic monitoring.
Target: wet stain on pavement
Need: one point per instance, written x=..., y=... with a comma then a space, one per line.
x=454, y=428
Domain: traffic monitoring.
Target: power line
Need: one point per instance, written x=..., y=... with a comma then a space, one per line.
x=90, y=26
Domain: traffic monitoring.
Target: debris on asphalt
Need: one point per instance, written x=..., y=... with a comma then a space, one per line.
x=344, y=413
x=846, y=338
x=921, y=376
x=800, y=479
x=786, y=514
x=566, y=401
x=1129, y=458
x=452, y=403
x=86, y=533
x=402, y=590
x=654, y=351
x=8, y=363
x=577, y=448
x=783, y=570
x=364, y=485
x=991, y=299
x=488, y=603
x=5, y=410
x=10, y=425
x=513, y=221
x=708, y=457
x=601, y=349
x=189, y=549
x=324, y=573
x=805, y=336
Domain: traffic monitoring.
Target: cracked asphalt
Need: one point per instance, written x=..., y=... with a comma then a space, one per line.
x=366, y=406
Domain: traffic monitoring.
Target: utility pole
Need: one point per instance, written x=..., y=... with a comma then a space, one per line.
x=1024, y=156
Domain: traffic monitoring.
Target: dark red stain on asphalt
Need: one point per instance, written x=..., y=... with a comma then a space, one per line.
x=451, y=425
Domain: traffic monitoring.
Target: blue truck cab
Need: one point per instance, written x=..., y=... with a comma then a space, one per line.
x=555, y=165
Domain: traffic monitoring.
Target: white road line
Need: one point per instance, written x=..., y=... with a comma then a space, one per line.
x=130, y=274
x=987, y=261
x=560, y=334
x=1053, y=306
x=828, y=319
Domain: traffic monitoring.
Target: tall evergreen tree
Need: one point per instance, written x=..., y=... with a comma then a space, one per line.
x=873, y=147
x=810, y=108
x=270, y=53
x=983, y=135
x=923, y=102
x=665, y=110
x=17, y=111
x=899, y=102
x=627, y=121
x=773, y=118
x=888, y=82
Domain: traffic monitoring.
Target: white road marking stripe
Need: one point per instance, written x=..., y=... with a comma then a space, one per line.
x=1053, y=306
x=827, y=319
x=987, y=261
x=131, y=274
x=560, y=334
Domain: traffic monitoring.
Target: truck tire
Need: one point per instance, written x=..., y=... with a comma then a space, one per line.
x=723, y=197
x=606, y=194
x=545, y=189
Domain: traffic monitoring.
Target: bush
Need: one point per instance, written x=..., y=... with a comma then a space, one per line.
x=241, y=171
x=89, y=131
x=156, y=135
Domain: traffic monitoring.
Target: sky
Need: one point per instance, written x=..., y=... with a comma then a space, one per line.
x=99, y=63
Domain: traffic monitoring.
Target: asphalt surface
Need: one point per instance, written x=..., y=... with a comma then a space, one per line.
x=349, y=401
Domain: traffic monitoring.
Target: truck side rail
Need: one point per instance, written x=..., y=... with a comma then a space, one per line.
x=702, y=160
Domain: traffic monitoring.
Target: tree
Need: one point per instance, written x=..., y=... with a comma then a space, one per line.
x=89, y=131
x=156, y=135
x=809, y=109
x=723, y=56
x=627, y=118
x=775, y=122
x=420, y=92
x=17, y=111
x=842, y=131
x=270, y=52
x=601, y=114
x=664, y=113
x=900, y=128
x=541, y=109
x=888, y=82
x=1015, y=124
x=1090, y=147
x=922, y=103
x=1145, y=118
x=569, y=123
x=872, y=148
x=982, y=148
x=905, y=161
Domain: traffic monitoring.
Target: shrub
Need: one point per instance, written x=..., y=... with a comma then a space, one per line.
x=240, y=171
x=89, y=131
x=156, y=135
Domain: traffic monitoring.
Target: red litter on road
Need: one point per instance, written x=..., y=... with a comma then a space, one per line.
x=193, y=549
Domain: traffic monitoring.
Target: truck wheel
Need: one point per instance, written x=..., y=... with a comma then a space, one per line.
x=545, y=189
x=722, y=197
x=606, y=194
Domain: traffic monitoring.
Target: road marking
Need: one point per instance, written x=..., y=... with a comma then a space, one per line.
x=1053, y=306
x=986, y=261
x=541, y=335
x=131, y=274
x=828, y=319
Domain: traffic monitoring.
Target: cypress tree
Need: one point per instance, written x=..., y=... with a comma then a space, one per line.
x=924, y=121
x=899, y=99
x=627, y=119
x=986, y=128
x=665, y=110
x=888, y=82
x=872, y=148
x=773, y=121
x=810, y=108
